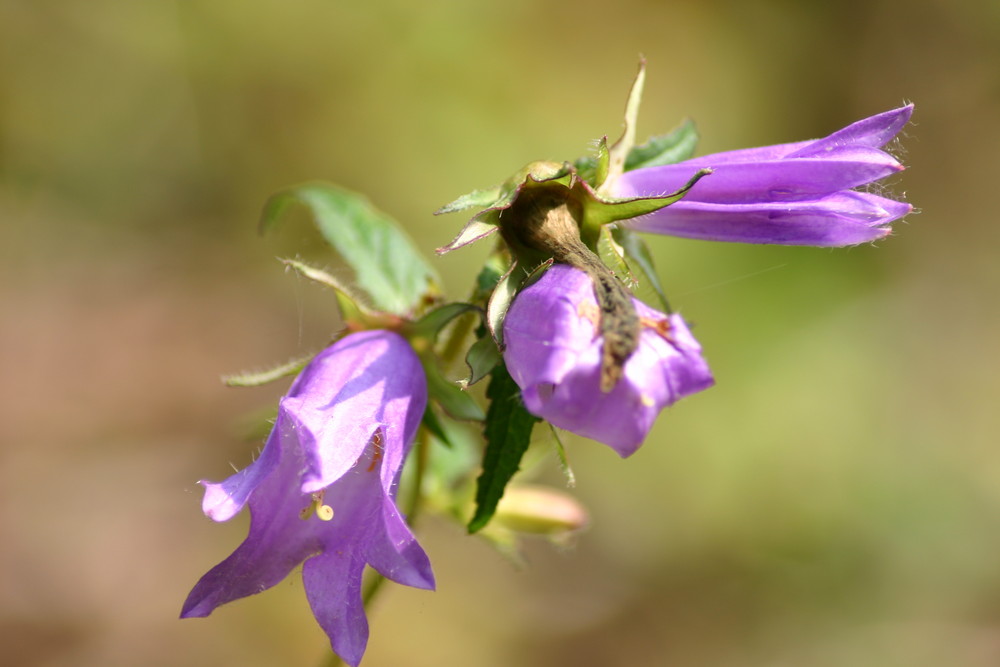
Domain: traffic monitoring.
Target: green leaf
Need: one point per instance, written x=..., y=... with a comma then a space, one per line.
x=257, y=378
x=676, y=146
x=388, y=266
x=457, y=403
x=482, y=358
x=508, y=434
x=640, y=263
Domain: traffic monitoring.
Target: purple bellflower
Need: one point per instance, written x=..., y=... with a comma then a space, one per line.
x=323, y=489
x=553, y=352
x=790, y=194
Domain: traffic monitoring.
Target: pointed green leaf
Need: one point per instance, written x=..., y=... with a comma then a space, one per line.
x=430, y=325
x=456, y=402
x=475, y=199
x=257, y=378
x=388, y=266
x=508, y=434
x=671, y=148
x=482, y=358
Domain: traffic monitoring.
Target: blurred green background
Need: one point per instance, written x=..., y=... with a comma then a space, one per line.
x=834, y=500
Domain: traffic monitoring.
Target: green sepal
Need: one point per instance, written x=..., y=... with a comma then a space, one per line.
x=493, y=269
x=625, y=253
x=475, y=199
x=564, y=465
x=503, y=296
x=603, y=165
x=482, y=357
x=487, y=221
x=476, y=229
x=613, y=257
x=258, y=378
x=586, y=168
x=508, y=434
x=457, y=403
x=598, y=211
x=621, y=148
x=351, y=306
x=640, y=263
x=500, y=300
x=676, y=146
x=387, y=264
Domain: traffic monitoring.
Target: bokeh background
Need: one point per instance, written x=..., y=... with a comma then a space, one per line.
x=834, y=500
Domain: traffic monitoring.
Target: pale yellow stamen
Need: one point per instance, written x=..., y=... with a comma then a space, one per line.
x=323, y=512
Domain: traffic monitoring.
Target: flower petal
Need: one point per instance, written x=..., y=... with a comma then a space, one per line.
x=553, y=352
x=333, y=587
x=789, y=194
x=846, y=218
x=873, y=132
x=765, y=181
x=395, y=552
x=367, y=380
x=277, y=542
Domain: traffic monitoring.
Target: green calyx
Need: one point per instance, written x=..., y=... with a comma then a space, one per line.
x=596, y=210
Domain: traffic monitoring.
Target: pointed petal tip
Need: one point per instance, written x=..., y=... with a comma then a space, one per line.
x=194, y=606
x=218, y=505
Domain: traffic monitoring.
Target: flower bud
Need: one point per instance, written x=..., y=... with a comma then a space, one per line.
x=540, y=510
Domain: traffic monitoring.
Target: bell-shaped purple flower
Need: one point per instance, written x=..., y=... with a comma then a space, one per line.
x=553, y=352
x=322, y=491
x=803, y=193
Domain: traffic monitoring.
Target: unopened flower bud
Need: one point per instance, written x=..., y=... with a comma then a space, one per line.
x=540, y=510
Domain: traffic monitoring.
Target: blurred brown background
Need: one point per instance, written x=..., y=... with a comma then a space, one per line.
x=834, y=501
